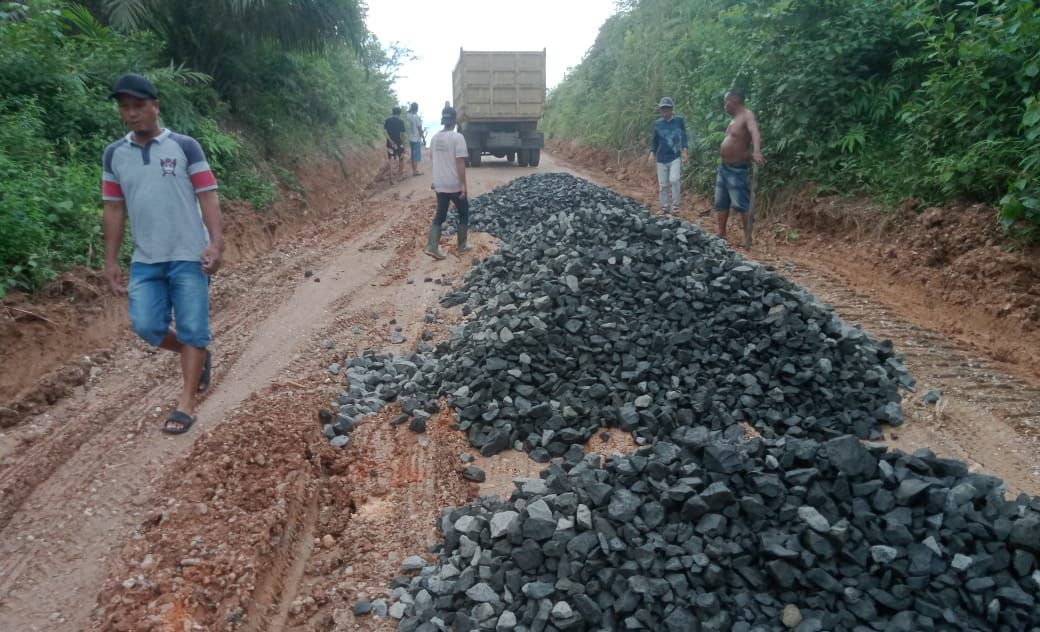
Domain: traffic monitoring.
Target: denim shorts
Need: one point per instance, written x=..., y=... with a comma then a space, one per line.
x=732, y=190
x=416, y=151
x=160, y=292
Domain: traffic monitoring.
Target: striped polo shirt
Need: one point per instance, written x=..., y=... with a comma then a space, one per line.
x=159, y=183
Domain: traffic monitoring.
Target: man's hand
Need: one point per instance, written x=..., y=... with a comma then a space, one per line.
x=652, y=159
x=759, y=158
x=116, y=281
x=685, y=156
x=465, y=192
x=213, y=220
x=211, y=259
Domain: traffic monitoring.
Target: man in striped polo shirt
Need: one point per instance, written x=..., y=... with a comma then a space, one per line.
x=162, y=181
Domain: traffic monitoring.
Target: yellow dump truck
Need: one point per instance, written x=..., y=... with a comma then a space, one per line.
x=500, y=96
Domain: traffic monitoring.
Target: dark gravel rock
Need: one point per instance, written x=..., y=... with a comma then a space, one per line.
x=362, y=607
x=594, y=306
x=474, y=473
x=932, y=396
x=372, y=381
x=819, y=545
x=594, y=313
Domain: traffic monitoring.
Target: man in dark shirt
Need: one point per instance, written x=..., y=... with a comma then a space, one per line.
x=668, y=150
x=393, y=129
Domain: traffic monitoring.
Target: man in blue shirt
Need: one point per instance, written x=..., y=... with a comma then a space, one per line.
x=669, y=150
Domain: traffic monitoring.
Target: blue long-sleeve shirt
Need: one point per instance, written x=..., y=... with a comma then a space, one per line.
x=669, y=139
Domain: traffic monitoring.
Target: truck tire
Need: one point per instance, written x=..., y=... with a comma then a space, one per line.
x=511, y=157
x=521, y=157
x=474, y=158
x=534, y=155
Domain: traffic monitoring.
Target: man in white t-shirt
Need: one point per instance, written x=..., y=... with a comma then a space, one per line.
x=415, y=137
x=448, y=152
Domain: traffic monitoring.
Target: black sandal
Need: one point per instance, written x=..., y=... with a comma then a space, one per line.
x=207, y=372
x=178, y=417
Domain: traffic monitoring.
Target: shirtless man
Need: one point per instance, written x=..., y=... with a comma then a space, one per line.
x=742, y=145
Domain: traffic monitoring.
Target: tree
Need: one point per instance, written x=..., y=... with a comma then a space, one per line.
x=216, y=36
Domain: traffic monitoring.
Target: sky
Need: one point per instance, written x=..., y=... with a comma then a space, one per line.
x=434, y=30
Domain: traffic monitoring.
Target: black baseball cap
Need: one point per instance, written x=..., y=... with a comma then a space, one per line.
x=448, y=115
x=135, y=85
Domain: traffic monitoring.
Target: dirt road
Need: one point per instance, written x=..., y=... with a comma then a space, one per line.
x=108, y=524
x=76, y=481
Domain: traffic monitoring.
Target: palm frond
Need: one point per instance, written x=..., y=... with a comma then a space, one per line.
x=310, y=25
x=181, y=74
x=128, y=15
x=80, y=18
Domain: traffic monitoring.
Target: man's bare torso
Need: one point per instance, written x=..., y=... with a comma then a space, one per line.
x=736, y=147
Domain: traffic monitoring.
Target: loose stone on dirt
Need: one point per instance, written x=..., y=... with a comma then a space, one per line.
x=702, y=535
x=627, y=316
x=595, y=313
x=473, y=473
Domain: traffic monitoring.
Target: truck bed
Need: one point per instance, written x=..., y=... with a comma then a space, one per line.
x=499, y=85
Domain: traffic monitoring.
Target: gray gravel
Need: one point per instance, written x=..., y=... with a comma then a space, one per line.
x=595, y=313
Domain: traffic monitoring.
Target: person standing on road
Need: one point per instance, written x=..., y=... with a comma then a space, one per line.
x=393, y=129
x=162, y=181
x=669, y=149
x=415, y=137
x=448, y=152
x=742, y=144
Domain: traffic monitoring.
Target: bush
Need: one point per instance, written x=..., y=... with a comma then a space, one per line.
x=55, y=121
x=49, y=213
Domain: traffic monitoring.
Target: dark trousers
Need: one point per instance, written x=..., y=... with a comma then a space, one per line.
x=461, y=206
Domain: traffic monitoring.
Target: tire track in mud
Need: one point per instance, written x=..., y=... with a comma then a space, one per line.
x=985, y=416
x=81, y=432
x=278, y=585
x=87, y=473
x=136, y=395
x=401, y=481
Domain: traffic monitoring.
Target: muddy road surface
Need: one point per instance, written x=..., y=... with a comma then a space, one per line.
x=251, y=521
x=76, y=481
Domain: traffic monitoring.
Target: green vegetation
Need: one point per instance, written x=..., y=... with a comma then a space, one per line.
x=934, y=100
x=258, y=83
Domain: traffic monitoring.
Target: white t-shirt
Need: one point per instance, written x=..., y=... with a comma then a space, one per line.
x=444, y=149
x=414, y=128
